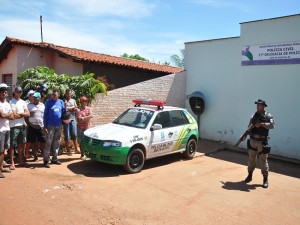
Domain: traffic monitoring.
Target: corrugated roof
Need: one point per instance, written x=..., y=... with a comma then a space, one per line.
x=86, y=56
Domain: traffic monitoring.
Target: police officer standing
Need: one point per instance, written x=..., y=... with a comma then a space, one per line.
x=258, y=143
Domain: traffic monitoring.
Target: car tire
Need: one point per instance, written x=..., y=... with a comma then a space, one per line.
x=135, y=161
x=191, y=148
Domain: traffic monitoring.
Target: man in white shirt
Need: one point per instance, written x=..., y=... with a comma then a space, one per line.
x=5, y=115
x=18, y=127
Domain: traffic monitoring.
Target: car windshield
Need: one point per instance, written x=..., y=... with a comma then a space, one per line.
x=135, y=117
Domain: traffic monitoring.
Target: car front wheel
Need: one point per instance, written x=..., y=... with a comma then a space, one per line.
x=191, y=147
x=135, y=161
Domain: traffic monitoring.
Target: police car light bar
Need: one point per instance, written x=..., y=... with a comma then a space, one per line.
x=158, y=103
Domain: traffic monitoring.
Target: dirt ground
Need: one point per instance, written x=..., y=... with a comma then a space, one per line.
x=169, y=190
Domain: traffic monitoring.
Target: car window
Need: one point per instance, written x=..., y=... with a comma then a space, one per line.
x=135, y=117
x=163, y=118
x=178, y=118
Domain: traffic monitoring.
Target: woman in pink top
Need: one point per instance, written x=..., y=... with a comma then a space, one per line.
x=83, y=115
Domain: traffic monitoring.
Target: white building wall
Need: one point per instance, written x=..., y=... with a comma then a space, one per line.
x=214, y=68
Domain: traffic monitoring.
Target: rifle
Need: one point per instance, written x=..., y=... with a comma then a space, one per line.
x=256, y=119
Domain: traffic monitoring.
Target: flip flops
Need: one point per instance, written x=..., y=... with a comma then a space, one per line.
x=5, y=170
x=12, y=167
x=1, y=175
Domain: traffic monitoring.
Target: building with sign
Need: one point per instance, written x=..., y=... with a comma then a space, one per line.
x=233, y=73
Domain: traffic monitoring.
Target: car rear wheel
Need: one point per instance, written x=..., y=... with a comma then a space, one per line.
x=191, y=147
x=135, y=161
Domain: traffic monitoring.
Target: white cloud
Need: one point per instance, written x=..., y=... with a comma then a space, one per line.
x=66, y=24
x=22, y=29
x=121, y=8
x=158, y=50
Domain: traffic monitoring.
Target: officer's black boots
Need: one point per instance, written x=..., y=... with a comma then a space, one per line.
x=266, y=182
x=249, y=177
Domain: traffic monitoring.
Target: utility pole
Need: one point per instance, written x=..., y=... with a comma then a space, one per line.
x=42, y=41
x=41, y=21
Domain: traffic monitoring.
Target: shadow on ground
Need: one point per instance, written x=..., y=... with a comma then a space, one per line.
x=276, y=165
x=91, y=168
x=239, y=186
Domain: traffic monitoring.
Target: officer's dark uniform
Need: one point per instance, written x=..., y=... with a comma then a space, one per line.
x=258, y=145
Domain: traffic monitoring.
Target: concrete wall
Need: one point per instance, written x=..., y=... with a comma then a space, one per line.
x=28, y=57
x=214, y=68
x=67, y=66
x=21, y=58
x=9, y=66
x=170, y=88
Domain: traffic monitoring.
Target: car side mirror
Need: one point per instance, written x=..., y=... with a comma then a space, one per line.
x=156, y=127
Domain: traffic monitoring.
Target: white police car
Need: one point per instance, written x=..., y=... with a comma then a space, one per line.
x=142, y=133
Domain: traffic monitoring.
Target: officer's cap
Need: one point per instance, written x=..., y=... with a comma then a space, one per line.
x=259, y=101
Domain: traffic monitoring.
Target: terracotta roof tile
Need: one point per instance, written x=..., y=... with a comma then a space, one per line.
x=82, y=55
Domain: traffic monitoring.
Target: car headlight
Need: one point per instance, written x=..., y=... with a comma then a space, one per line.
x=112, y=144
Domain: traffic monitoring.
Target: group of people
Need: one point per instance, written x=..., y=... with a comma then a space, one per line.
x=35, y=125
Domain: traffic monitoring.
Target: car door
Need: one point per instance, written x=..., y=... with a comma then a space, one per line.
x=162, y=141
x=181, y=129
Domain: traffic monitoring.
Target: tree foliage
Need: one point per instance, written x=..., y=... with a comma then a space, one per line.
x=103, y=80
x=136, y=56
x=83, y=85
x=178, y=60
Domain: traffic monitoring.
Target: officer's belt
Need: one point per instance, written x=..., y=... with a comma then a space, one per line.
x=256, y=137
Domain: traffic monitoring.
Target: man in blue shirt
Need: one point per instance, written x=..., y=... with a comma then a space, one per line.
x=53, y=127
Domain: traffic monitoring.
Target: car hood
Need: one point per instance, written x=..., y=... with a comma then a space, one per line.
x=111, y=131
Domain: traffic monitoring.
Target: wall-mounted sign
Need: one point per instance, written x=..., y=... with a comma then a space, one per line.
x=271, y=54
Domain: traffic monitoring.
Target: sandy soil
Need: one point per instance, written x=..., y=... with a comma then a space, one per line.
x=170, y=190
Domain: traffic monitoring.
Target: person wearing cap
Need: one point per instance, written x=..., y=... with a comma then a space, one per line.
x=18, y=127
x=43, y=90
x=70, y=131
x=6, y=114
x=83, y=116
x=35, y=134
x=54, y=109
x=258, y=143
x=29, y=96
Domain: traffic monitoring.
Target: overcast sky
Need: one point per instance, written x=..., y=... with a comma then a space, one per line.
x=154, y=29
